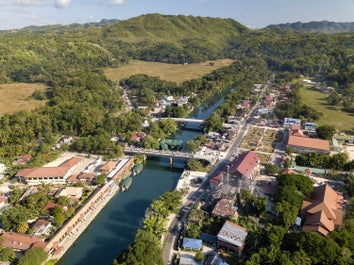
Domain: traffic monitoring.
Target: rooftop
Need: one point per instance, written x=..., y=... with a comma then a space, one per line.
x=312, y=143
x=233, y=234
x=245, y=163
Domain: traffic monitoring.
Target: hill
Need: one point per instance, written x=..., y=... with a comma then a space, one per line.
x=316, y=27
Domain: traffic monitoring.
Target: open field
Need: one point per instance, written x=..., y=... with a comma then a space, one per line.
x=170, y=72
x=332, y=115
x=14, y=97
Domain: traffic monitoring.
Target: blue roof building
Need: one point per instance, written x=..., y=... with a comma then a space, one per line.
x=192, y=244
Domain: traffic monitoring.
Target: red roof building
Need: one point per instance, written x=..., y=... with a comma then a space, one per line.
x=22, y=242
x=322, y=210
x=308, y=145
x=106, y=168
x=216, y=181
x=246, y=165
x=49, y=175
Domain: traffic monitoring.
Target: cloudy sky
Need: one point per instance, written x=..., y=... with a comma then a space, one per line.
x=251, y=13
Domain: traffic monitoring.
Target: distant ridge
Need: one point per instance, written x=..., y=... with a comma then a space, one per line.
x=316, y=27
x=60, y=27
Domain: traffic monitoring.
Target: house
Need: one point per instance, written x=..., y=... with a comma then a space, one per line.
x=21, y=242
x=225, y=208
x=2, y=201
x=137, y=136
x=213, y=258
x=51, y=205
x=232, y=237
x=295, y=130
x=216, y=181
x=73, y=193
x=41, y=227
x=66, y=139
x=247, y=165
x=192, y=244
x=188, y=259
x=322, y=210
x=288, y=122
x=308, y=145
x=106, y=168
x=49, y=175
x=86, y=177
x=22, y=160
x=310, y=126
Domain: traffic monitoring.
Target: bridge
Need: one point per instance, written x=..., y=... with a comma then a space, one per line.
x=199, y=121
x=211, y=158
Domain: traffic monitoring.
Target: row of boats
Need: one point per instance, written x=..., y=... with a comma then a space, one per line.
x=127, y=182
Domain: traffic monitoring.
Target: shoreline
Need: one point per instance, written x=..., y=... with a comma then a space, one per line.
x=84, y=223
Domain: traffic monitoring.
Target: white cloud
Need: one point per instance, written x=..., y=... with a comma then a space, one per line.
x=117, y=2
x=29, y=2
x=62, y=3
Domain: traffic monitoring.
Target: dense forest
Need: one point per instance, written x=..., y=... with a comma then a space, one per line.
x=316, y=27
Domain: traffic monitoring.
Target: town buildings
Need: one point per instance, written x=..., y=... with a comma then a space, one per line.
x=322, y=210
x=232, y=237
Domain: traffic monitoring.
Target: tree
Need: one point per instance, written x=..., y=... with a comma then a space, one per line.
x=194, y=164
x=33, y=256
x=145, y=250
x=325, y=131
x=7, y=254
x=271, y=169
x=100, y=180
x=214, y=122
x=199, y=256
x=58, y=214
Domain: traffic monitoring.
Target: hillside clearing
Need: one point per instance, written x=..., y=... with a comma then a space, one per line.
x=18, y=96
x=332, y=115
x=169, y=72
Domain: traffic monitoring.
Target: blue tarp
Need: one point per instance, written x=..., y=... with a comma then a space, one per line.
x=191, y=243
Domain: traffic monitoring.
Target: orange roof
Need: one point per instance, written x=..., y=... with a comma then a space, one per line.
x=318, y=144
x=71, y=162
x=109, y=165
x=245, y=164
x=324, y=208
x=21, y=241
x=43, y=172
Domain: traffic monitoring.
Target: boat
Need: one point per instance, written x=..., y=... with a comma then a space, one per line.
x=137, y=169
x=126, y=183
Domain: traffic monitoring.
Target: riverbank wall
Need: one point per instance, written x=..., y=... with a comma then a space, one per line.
x=71, y=230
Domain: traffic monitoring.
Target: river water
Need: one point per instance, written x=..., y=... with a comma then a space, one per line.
x=115, y=227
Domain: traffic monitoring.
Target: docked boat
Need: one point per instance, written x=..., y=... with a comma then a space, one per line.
x=126, y=183
x=137, y=169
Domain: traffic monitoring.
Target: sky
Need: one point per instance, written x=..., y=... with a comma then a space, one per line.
x=251, y=13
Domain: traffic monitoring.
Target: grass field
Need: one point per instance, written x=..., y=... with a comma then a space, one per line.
x=14, y=97
x=332, y=115
x=170, y=72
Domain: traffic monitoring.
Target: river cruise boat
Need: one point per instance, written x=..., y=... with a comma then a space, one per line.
x=126, y=183
x=137, y=169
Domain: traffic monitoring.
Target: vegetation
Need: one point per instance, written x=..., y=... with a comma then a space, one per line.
x=34, y=256
x=291, y=191
x=316, y=27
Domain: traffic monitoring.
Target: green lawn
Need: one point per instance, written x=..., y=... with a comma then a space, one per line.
x=332, y=115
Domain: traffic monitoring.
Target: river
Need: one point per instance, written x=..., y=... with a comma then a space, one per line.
x=115, y=227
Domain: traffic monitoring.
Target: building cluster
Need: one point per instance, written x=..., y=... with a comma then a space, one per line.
x=73, y=170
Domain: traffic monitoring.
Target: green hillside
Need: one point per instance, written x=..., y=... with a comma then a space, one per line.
x=316, y=27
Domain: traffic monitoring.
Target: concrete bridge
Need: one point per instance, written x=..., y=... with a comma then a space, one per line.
x=167, y=153
x=198, y=121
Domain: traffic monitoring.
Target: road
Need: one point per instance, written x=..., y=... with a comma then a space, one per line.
x=177, y=221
